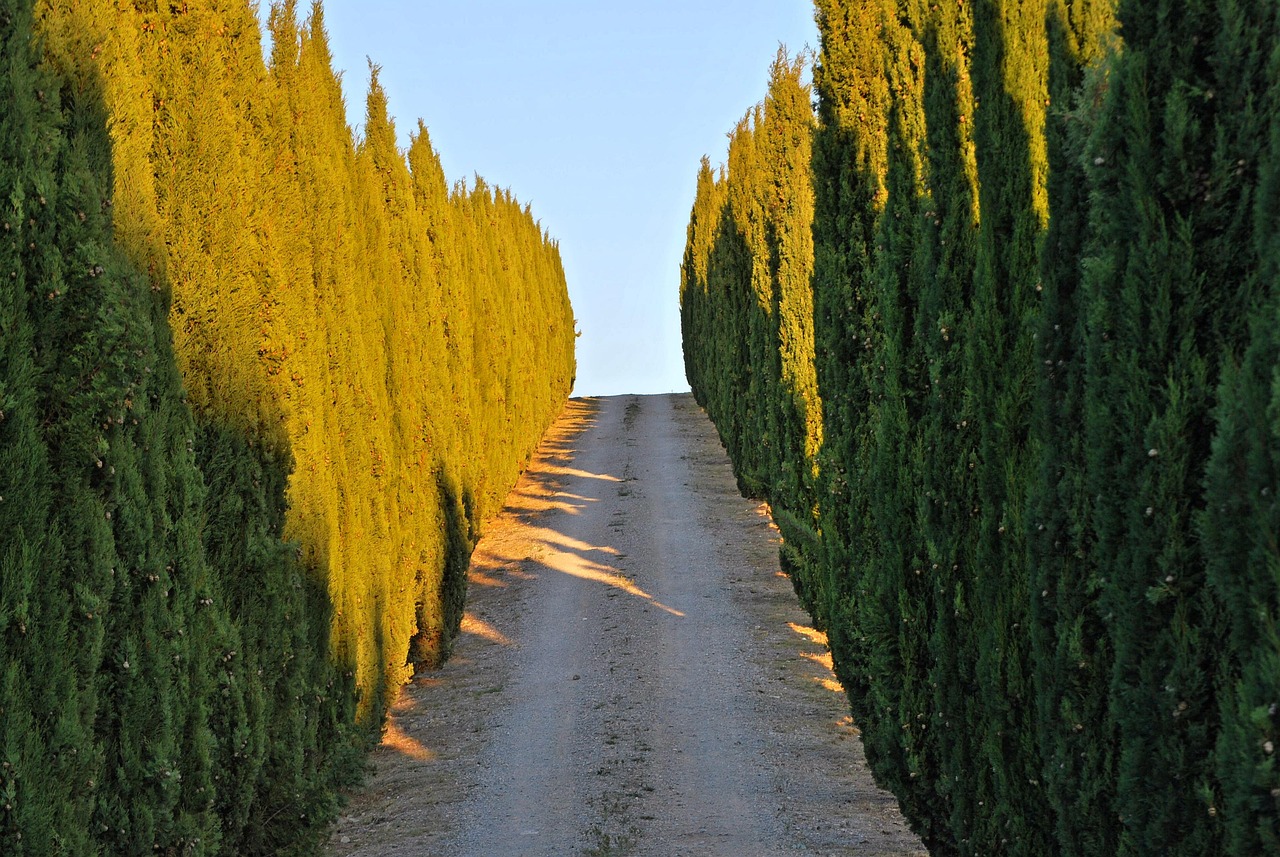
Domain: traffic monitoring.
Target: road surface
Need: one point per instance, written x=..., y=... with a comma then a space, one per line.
x=634, y=674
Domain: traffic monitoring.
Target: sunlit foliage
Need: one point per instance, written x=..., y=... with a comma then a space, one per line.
x=261, y=384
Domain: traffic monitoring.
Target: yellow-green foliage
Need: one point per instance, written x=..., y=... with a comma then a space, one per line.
x=405, y=343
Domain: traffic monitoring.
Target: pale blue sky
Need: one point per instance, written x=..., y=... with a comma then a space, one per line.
x=595, y=113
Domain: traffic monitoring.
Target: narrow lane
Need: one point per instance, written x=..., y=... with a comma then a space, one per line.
x=655, y=689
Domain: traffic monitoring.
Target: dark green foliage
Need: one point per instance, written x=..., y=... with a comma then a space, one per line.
x=1239, y=521
x=1237, y=525
x=1071, y=652
x=1045, y=310
x=1170, y=276
x=37, y=718
x=1009, y=82
x=848, y=166
x=104, y=654
x=283, y=742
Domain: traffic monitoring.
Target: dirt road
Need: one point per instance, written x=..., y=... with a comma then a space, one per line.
x=634, y=675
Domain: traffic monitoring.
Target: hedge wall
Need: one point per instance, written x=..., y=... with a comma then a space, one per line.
x=1043, y=284
x=261, y=384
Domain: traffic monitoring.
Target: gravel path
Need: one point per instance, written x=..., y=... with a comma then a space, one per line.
x=634, y=677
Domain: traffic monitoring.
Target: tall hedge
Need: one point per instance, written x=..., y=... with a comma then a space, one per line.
x=116, y=667
x=261, y=384
x=1044, y=261
x=327, y=297
x=747, y=308
x=1171, y=275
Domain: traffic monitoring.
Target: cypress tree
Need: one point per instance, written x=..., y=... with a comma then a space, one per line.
x=747, y=305
x=849, y=156
x=1043, y=312
x=129, y=461
x=710, y=346
x=204, y=642
x=1239, y=516
x=894, y=606
x=862, y=612
x=1237, y=526
x=788, y=204
x=45, y=740
x=1168, y=285
x=1071, y=651
x=1009, y=71
x=122, y=654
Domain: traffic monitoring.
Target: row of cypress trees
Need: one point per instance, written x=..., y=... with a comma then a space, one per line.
x=261, y=383
x=1044, y=288
x=747, y=308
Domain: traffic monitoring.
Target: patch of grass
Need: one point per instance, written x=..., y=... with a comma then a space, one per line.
x=629, y=418
x=606, y=839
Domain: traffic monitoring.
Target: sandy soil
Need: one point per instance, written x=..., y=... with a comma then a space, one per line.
x=634, y=674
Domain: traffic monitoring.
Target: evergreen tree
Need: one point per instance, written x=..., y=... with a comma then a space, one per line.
x=849, y=165
x=203, y=613
x=938, y=294
x=1174, y=159
x=1043, y=291
x=788, y=203
x=1071, y=651
x=1009, y=68
x=46, y=738
x=747, y=305
x=114, y=687
x=1239, y=516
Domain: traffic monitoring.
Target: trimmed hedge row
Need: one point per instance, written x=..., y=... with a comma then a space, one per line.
x=261, y=384
x=1044, y=288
